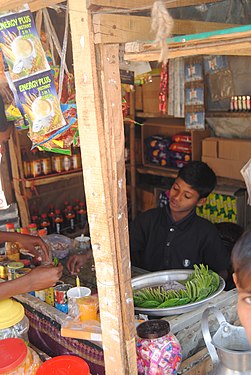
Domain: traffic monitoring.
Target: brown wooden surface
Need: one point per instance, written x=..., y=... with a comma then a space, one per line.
x=117, y=28
x=101, y=131
x=18, y=179
x=145, y=4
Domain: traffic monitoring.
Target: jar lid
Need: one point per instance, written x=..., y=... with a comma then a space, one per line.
x=11, y=312
x=12, y=353
x=152, y=329
x=15, y=265
x=64, y=364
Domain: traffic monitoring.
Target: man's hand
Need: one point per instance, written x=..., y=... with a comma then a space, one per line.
x=75, y=262
x=44, y=276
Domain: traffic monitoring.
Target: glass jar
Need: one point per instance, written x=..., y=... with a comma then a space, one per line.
x=17, y=358
x=158, y=350
x=13, y=322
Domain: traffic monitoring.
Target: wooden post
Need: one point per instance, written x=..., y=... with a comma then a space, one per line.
x=98, y=95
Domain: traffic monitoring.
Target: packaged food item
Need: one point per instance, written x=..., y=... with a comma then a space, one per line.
x=181, y=147
x=88, y=308
x=182, y=137
x=61, y=299
x=158, y=350
x=57, y=164
x=17, y=358
x=11, y=248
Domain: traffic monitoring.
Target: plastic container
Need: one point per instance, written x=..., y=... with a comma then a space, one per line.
x=17, y=358
x=13, y=322
x=64, y=364
x=73, y=294
x=12, y=267
x=158, y=350
x=88, y=308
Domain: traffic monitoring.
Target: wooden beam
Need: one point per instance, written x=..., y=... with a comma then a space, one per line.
x=145, y=4
x=111, y=28
x=33, y=4
x=231, y=41
x=98, y=96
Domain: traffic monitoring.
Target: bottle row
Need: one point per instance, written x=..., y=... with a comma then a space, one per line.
x=37, y=163
x=240, y=103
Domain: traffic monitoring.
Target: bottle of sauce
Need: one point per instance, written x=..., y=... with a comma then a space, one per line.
x=11, y=248
x=51, y=215
x=33, y=229
x=82, y=215
x=45, y=223
x=58, y=221
x=70, y=217
x=26, y=163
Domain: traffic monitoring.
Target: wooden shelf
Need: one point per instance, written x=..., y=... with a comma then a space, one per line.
x=158, y=171
x=228, y=114
x=50, y=179
x=152, y=115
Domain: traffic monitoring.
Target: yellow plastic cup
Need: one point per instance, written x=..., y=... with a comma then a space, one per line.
x=88, y=308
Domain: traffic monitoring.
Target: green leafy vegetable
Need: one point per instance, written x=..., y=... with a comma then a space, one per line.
x=198, y=286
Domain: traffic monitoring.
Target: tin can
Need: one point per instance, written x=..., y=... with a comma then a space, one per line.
x=12, y=268
x=60, y=295
x=49, y=296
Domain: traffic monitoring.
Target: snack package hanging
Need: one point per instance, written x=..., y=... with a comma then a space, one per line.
x=21, y=45
x=38, y=97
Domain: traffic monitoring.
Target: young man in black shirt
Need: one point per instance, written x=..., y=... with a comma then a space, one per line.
x=173, y=236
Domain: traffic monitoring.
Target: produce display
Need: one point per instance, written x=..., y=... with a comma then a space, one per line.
x=199, y=285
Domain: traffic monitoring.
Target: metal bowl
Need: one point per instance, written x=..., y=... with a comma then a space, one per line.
x=153, y=279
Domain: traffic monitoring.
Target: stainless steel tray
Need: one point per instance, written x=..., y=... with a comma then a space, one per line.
x=159, y=278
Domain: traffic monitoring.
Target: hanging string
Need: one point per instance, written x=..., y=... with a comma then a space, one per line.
x=162, y=25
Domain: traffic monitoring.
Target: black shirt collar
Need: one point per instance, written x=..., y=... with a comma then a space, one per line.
x=183, y=223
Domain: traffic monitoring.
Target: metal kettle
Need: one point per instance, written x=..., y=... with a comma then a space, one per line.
x=229, y=348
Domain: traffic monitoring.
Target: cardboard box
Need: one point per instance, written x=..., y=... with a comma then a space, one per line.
x=150, y=95
x=210, y=147
x=226, y=156
x=235, y=149
x=225, y=168
x=170, y=127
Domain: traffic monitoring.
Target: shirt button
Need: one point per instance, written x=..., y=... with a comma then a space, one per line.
x=168, y=244
x=171, y=229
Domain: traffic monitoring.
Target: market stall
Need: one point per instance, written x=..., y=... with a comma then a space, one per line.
x=101, y=133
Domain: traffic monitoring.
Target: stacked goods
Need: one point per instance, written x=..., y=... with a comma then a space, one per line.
x=181, y=149
x=219, y=208
x=167, y=151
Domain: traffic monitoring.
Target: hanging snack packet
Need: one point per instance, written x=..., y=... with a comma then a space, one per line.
x=38, y=97
x=21, y=45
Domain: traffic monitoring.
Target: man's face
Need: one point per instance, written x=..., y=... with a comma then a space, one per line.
x=183, y=198
x=244, y=308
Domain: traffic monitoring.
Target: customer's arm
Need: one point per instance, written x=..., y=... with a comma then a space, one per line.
x=28, y=242
x=39, y=278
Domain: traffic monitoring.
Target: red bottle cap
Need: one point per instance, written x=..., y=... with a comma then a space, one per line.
x=24, y=230
x=64, y=364
x=32, y=225
x=43, y=216
x=10, y=225
x=12, y=353
x=57, y=212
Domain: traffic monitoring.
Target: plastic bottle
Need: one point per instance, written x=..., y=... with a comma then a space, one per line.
x=51, y=215
x=58, y=221
x=82, y=215
x=36, y=166
x=45, y=223
x=46, y=164
x=11, y=248
x=76, y=158
x=70, y=217
x=26, y=163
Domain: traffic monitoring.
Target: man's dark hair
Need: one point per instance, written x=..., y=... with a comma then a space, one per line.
x=3, y=120
x=241, y=259
x=199, y=176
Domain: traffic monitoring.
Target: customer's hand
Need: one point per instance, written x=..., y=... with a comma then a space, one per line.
x=31, y=243
x=75, y=262
x=44, y=276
